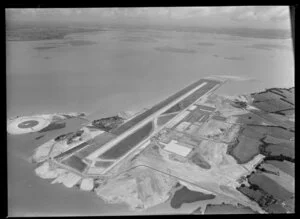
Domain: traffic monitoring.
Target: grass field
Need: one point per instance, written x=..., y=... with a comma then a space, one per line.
x=284, y=166
x=246, y=149
x=281, y=133
x=278, y=149
x=270, y=186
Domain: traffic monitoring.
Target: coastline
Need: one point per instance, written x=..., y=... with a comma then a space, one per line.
x=52, y=59
x=41, y=121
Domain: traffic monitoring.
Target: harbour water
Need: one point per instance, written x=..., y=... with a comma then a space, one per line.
x=119, y=70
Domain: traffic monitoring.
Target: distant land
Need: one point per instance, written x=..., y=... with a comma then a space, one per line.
x=27, y=31
x=232, y=153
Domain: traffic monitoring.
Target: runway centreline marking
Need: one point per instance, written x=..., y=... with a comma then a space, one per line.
x=178, y=100
x=141, y=123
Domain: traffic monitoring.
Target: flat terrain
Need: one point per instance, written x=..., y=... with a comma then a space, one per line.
x=187, y=101
x=184, y=195
x=64, y=58
x=128, y=143
x=233, y=158
x=227, y=209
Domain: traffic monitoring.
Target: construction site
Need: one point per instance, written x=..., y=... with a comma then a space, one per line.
x=213, y=145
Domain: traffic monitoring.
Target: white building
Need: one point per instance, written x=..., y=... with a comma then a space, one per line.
x=178, y=149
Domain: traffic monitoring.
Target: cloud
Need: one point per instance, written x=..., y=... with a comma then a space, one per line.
x=66, y=11
x=27, y=11
x=189, y=12
x=218, y=16
x=260, y=13
x=225, y=10
x=202, y=11
x=247, y=15
x=280, y=14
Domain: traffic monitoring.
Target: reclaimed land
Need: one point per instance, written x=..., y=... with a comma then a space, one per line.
x=75, y=163
x=128, y=143
x=98, y=142
x=72, y=150
x=109, y=123
x=184, y=195
x=63, y=136
x=164, y=119
x=203, y=107
x=53, y=126
x=195, y=116
x=174, y=109
x=190, y=99
x=187, y=101
x=103, y=164
x=197, y=159
x=219, y=118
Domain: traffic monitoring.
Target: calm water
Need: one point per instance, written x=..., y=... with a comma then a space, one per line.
x=123, y=70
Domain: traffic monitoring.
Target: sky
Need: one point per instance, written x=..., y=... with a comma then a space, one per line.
x=265, y=17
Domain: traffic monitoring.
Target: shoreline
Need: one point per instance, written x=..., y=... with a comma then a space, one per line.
x=48, y=170
x=40, y=121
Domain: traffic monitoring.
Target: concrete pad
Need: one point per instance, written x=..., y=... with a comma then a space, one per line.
x=177, y=148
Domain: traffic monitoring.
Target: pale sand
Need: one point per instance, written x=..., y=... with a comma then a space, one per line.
x=12, y=125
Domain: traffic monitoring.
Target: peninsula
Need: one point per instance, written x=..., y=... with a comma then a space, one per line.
x=193, y=146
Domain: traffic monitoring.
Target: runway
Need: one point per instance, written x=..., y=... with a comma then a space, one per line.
x=192, y=92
